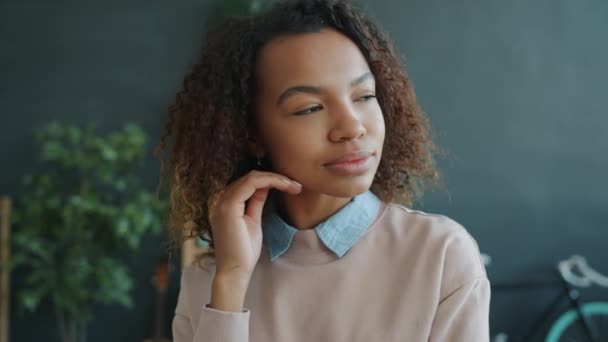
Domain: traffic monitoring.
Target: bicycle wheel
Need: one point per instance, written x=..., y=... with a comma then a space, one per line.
x=568, y=328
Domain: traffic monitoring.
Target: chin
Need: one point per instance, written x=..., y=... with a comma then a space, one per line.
x=349, y=188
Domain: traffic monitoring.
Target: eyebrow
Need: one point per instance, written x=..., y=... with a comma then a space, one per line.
x=291, y=91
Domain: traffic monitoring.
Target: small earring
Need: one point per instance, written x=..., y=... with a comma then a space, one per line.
x=259, y=161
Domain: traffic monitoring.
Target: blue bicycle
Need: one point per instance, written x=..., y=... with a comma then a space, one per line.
x=579, y=322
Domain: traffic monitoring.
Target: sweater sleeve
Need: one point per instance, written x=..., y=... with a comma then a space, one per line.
x=212, y=325
x=463, y=311
x=463, y=315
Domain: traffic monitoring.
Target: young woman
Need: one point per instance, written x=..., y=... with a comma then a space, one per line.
x=296, y=141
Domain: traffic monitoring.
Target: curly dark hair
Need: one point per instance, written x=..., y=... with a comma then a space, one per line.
x=212, y=116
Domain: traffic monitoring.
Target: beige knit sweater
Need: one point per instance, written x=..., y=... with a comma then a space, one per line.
x=412, y=276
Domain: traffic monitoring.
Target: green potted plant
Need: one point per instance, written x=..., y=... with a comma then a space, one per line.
x=81, y=211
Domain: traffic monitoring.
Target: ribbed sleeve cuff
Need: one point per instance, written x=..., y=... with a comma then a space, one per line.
x=223, y=326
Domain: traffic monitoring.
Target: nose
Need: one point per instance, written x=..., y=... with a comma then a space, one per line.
x=347, y=124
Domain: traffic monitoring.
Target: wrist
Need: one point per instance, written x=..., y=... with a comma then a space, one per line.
x=228, y=292
x=236, y=278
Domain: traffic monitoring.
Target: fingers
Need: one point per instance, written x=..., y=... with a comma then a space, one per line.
x=255, y=180
x=244, y=190
x=255, y=205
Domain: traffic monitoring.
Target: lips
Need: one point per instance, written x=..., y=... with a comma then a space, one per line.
x=350, y=157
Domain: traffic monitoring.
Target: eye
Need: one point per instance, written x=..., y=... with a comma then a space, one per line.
x=366, y=98
x=309, y=110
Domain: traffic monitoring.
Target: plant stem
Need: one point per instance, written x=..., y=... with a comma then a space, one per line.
x=61, y=324
x=73, y=329
x=84, y=186
x=83, y=331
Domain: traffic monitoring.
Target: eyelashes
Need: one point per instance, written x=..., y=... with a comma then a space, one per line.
x=309, y=110
x=316, y=108
x=367, y=97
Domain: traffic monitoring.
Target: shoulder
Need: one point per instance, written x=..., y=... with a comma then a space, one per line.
x=454, y=250
x=404, y=220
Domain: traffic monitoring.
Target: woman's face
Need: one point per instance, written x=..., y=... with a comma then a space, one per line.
x=316, y=103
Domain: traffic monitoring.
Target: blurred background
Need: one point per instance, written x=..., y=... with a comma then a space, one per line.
x=515, y=91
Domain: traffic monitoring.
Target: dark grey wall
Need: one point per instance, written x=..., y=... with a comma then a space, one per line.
x=79, y=61
x=515, y=91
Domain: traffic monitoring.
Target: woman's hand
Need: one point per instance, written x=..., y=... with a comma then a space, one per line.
x=236, y=221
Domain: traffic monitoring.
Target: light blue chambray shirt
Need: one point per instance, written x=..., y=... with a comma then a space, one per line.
x=339, y=232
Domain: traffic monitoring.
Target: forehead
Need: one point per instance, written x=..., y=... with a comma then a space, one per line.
x=318, y=58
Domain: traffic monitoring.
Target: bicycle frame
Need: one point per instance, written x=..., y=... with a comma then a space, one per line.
x=574, y=298
x=568, y=292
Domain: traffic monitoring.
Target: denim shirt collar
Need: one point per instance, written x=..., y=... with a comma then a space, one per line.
x=339, y=232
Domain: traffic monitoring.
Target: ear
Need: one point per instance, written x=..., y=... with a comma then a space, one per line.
x=255, y=147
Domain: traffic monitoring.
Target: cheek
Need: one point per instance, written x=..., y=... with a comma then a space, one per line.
x=294, y=149
x=376, y=124
x=382, y=127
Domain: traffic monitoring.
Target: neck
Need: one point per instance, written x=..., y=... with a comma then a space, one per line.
x=307, y=209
